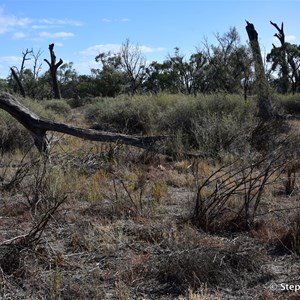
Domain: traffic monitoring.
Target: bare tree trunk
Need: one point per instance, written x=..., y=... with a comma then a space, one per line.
x=18, y=77
x=265, y=137
x=265, y=106
x=19, y=83
x=53, y=71
x=38, y=127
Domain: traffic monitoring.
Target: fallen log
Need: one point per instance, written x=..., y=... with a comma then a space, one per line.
x=39, y=126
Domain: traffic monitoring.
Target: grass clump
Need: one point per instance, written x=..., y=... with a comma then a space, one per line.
x=192, y=267
x=79, y=102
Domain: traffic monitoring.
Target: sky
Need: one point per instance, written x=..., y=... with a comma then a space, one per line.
x=81, y=29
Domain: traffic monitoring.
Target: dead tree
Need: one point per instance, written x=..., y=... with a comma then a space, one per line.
x=36, y=65
x=265, y=106
x=53, y=66
x=266, y=134
x=38, y=128
x=18, y=77
x=18, y=81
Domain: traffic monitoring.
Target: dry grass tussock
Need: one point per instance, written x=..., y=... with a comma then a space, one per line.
x=107, y=221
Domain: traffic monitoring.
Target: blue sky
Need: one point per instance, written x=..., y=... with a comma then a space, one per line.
x=81, y=29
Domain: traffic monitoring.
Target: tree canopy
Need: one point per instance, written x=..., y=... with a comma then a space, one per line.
x=225, y=66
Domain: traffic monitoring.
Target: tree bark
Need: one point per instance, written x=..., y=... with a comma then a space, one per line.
x=53, y=66
x=19, y=83
x=38, y=127
x=265, y=106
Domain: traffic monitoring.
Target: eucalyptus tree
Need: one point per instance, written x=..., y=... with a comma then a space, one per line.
x=110, y=79
x=293, y=58
x=228, y=63
x=177, y=74
x=67, y=77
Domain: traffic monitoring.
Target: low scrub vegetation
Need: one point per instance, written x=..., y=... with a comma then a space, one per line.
x=205, y=216
x=290, y=104
x=207, y=124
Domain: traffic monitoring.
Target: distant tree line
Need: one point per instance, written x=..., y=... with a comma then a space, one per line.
x=226, y=66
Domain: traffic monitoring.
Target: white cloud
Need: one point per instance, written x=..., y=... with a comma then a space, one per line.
x=50, y=35
x=40, y=26
x=123, y=20
x=290, y=38
x=60, y=22
x=114, y=48
x=10, y=60
x=85, y=67
x=146, y=49
x=19, y=35
x=20, y=27
x=9, y=23
x=96, y=49
x=87, y=61
x=6, y=62
x=104, y=20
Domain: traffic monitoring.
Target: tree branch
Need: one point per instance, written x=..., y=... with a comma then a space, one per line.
x=39, y=126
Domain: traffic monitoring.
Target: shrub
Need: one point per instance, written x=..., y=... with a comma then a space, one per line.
x=191, y=267
x=241, y=185
x=207, y=123
x=79, y=102
x=13, y=135
x=58, y=106
x=290, y=103
x=212, y=124
x=132, y=116
x=215, y=133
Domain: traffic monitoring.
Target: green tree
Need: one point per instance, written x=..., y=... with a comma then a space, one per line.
x=111, y=78
x=287, y=55
x=177, y=74
x=279, y=60
x=228, y=63
x=293, y=59
x=68, y=80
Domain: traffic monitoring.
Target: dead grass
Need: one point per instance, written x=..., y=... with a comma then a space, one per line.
x=124, y=232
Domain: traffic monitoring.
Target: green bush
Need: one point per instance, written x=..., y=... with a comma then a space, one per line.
x=13, y=135
x=207, y=123
x=290, y=103
x=212, y=124
x=132, y=116
x=79, y=102
x=60, y=107
x=38, y=107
